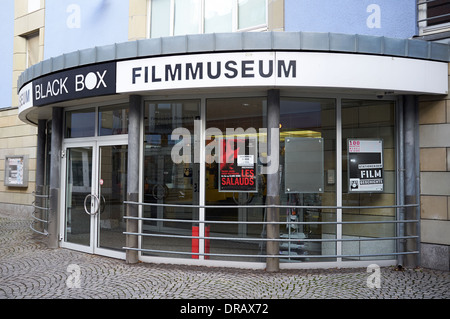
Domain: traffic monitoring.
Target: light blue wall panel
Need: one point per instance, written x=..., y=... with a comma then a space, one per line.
x=72, y=25
x=6, y=52
x=390, y=18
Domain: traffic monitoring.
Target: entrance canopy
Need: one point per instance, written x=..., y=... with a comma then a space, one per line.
x=301, y=60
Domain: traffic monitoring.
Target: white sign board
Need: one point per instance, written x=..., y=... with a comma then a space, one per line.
x=16, y=171
x=365, y=165
x=282, y=69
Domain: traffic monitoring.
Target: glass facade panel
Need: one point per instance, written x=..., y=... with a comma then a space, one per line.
x=307, y=153
x=80, y=123
x=113, y=120
x=167, y=180
x=78, y=187
x=112, y=194
x=364, y=120
x=310, y=125
x=223, y=118
x=234, y=188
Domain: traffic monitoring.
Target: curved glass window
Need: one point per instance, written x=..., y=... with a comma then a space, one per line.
x=222, y=172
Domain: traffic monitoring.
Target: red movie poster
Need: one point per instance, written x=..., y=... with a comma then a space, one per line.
x=237, y=166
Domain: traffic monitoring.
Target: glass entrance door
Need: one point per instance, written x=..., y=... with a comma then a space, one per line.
x=112, y=190
x=95, y=189
x=80, y=200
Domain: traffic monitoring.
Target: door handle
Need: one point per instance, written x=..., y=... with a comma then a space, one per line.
x=88, y=211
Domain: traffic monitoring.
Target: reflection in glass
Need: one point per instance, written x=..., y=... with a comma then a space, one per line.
x=187, y=17
x=218, y=16
x=79, y=183
x=252, y=13
x=113, y=120
x=302, y=120
x=233, y=113
x=160, y=18
x=112, y=194
x=168, y=182
x=80, y=123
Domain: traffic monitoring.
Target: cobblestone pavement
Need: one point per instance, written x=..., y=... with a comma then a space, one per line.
x=29, y=270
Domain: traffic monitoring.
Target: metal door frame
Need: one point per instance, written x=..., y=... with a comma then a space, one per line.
x=95, y=143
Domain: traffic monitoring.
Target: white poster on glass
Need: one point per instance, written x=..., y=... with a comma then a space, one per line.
x=365, y=165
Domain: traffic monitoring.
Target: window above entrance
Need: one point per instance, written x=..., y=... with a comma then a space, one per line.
x=112, y=120
x=79, y=123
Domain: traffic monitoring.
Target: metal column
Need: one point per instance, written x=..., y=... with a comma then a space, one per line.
x=411, y=178
x=401, y=179
x=40, y=171
x=134, y=117
x=55, y=177
x=273, y=180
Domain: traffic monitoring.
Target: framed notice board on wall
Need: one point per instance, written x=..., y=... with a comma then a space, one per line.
x=16, y=171
x=304, y=165
x=365, y=165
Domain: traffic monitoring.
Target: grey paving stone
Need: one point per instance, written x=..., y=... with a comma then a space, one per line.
x=28, y=269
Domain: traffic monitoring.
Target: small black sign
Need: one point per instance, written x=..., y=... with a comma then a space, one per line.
x=89, y=81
